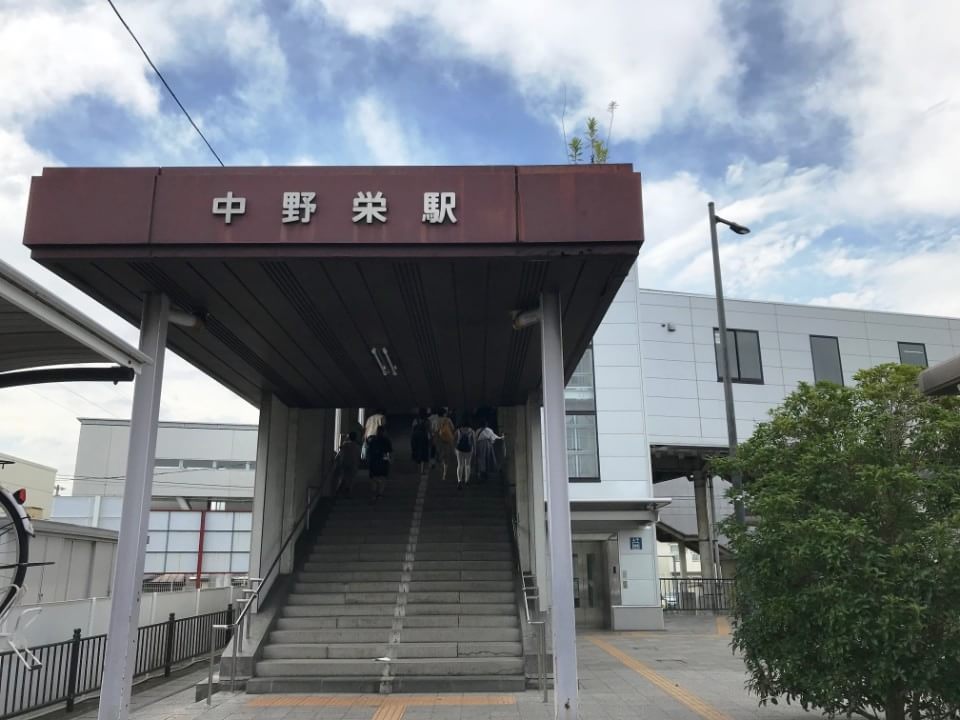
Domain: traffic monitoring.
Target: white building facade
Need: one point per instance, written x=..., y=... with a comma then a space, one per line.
x=659, y=411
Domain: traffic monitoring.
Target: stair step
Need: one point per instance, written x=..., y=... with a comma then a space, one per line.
x=338, y=610
x=438, y=667
x=371, y=684
x=369, y=650
x=461, y=634
x=341, y=599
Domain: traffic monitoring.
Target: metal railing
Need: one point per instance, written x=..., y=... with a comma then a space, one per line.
x=74, y=667
x=690, y=594
x=240, y=627
x=538, y=618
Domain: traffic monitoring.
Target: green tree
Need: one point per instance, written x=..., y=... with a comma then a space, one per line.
x=848, y=575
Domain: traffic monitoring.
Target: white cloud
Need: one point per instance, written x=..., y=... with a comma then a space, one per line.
x=382, y=138
x=894, y=83
x=662, y=62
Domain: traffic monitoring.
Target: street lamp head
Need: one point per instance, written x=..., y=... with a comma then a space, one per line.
x=736, y=227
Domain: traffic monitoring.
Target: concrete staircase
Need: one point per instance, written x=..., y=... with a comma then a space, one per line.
x=413, y=594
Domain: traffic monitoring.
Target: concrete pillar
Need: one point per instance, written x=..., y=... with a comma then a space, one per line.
x=513, y=424
x=268, y=487
x=683, y=559
x=537, y=501
x=121, y=655
x=566, y=694
x=704, y=528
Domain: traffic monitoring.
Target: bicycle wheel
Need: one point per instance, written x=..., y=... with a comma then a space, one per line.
x=13, y=551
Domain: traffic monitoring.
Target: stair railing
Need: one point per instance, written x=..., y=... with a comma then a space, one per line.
x=240, y=627
x=532, y=593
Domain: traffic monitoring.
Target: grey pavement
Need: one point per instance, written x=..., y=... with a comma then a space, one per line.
x=687, y=672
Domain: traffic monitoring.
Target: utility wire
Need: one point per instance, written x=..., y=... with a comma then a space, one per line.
x=165, y=83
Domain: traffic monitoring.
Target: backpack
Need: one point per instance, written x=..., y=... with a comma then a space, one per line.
x=444, y=433
x=465, y=442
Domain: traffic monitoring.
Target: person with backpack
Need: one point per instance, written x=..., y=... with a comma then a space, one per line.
x=466, y=441
x=379, y=448
x=420, y=441
x=444, y=439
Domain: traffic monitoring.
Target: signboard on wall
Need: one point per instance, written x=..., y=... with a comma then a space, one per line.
x=636, y=543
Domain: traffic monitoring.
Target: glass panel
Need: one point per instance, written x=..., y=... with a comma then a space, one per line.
x=731, y=354
x=153, y=563
x=579, y=393
x=826, y=359
x=159, y=520
x=156, y=541
x=185, y=521
x=183, y=541
x=182, y=562
x=166, y=463
x=583, y=460
x=219, y=521
x=216, y=562
x=241, y=542
x=913, y=354
x=244, y=521
x=748, y=355
x=217, y=541
x=591, y=590
x=240, y=562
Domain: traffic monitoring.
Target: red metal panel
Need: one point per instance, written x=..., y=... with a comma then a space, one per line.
x=90, y=206
x=579, y=204
x=485, y=210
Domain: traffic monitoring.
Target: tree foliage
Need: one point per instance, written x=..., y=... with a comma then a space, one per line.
x=848, y=580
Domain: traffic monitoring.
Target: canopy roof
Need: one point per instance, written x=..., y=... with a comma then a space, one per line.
x=942, y=378
x=37, y=329
x=299, y=286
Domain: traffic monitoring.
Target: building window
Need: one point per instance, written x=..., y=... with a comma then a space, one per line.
x=583, y=457
x=913, y=353
x=826, y=359
x=743, y=356
x=166, y=463
x=231, y=464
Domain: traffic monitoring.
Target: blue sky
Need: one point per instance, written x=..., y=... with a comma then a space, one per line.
x=827, y=126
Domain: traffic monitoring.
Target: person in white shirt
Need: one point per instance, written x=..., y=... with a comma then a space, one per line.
x=486, y=454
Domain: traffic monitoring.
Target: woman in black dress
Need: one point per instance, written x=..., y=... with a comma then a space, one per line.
x=379, y=448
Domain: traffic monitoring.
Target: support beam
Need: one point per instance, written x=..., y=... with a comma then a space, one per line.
x=566, y=698
x=704, y=528
x=131, y=547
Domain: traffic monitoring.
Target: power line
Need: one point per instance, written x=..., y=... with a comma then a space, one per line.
x=165, y=83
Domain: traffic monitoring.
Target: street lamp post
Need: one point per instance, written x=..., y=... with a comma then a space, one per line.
x=738, y=509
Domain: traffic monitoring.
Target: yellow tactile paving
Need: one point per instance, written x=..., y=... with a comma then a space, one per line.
x=387, y=707
x=700, y=707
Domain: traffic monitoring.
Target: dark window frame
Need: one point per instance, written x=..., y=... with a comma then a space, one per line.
x=736, y=350
x=596, y=430
x=839, y=357
x=922, y=346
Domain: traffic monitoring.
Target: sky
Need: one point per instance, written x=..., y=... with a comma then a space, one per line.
x=829, y=127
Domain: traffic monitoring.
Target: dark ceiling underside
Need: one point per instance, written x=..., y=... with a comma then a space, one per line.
x=303, y=327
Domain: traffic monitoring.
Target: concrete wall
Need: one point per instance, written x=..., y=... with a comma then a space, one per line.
x=294, y=457
x=92, y=615
x=39, y=481
x=102, y=457
x=82, y=562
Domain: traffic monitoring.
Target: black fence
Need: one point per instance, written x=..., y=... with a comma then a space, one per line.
x=684, y=594
x=74, y=667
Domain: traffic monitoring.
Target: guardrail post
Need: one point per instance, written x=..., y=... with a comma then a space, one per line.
x=73, y=669
x=229, y=619
x=168, y=650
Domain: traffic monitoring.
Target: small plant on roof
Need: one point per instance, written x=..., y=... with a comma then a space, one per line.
x=599, y=147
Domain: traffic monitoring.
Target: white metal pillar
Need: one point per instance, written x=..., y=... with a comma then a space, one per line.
x=566, y=698
x=132, y=543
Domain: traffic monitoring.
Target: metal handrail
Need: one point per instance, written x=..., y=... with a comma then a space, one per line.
x=252, y=594
x=531, y=592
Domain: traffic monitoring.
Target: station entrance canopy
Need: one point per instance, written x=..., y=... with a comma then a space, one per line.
x=350, y=287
